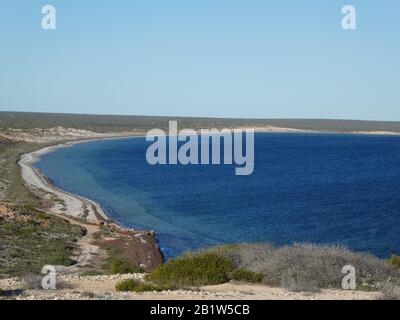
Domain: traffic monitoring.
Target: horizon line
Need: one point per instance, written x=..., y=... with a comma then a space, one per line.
x=192, y=117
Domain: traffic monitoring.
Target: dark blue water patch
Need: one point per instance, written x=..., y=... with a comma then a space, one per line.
x=327, y=189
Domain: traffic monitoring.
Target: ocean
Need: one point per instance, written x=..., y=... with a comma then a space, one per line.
x=318, y=188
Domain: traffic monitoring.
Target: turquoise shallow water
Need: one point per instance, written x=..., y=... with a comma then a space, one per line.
x=317, y=188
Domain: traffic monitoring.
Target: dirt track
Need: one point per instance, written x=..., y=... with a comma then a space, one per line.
x=103, y=287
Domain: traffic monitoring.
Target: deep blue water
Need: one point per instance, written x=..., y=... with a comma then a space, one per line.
x=342, y=189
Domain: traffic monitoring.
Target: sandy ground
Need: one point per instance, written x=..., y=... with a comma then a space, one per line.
x=103, y=287
x=89, y=252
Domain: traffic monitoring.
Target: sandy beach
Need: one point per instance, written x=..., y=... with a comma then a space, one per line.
x=72, y=205
x=69, y=204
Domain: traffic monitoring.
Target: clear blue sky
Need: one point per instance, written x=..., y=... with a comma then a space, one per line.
x=221, y=58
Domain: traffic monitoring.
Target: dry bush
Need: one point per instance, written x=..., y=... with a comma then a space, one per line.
x=298, y=281
x=394, y=260
x=307, y=267
x=390, y=291
x=245, y=256
x=32, y=281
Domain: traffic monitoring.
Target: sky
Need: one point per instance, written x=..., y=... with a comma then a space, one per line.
x=220, y=58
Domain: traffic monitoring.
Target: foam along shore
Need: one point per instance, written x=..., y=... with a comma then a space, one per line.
x=70, y=204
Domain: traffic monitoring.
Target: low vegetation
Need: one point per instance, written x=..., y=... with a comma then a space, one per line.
x=136, y=286
x=246, y=276
x=193, y=270
x=394, y=260
x=91, y=273
x=12, y=188
x=123, y=267
x=117, y=123
x=390, y=291
x=117, y=264
x=301, y=267
x=308, y=267
x=32, y=239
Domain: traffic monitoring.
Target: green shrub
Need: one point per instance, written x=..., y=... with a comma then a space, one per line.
x=246, y=276
x=131, y=285
x=394, y=260
x=126, y=285
x=29, y=244
x=193, y=270
x=58, y=254
x=123, y=267
x=91, y=273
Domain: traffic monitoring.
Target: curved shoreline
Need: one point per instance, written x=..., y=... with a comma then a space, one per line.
x=140, y=247
x=72, y=205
